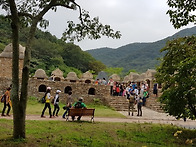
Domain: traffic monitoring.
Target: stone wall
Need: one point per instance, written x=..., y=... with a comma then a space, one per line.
x=4, y=84
x=6, y=67
x=100, y=92
x=78, y=89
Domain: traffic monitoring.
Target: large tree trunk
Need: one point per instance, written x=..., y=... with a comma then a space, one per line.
x=15, y=70
x=19, y=119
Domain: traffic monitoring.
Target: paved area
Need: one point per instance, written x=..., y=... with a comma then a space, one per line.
x=149, y=116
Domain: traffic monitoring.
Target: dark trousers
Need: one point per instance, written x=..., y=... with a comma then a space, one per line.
x=144, y=101
x=139, y=109
x=47, y=105
x=56, y=109
x=66, y=111
x=111, y=90
x=8, y=110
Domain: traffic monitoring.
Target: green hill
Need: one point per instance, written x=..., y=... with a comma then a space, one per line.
x=50, y=53
x=138, y=56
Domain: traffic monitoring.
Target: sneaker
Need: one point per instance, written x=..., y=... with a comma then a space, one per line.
x=7, y=115
x=51, y=116
x=3, y=115
x=43, y=116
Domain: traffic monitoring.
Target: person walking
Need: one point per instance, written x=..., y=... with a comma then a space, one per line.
x=68, y=103
x=7, y=102
x=56, y=103
x=47, y=103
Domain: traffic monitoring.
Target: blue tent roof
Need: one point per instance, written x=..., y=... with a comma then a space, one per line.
x=102, y=75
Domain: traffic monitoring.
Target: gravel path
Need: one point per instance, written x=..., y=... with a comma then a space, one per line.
x=149, y=116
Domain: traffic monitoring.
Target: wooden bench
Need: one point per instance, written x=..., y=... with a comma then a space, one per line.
x=81, y=112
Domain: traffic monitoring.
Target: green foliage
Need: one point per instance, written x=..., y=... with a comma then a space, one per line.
x=177, y=73
x=84, y=60
x=131, y=70
x=114, y=70
x=181, y=12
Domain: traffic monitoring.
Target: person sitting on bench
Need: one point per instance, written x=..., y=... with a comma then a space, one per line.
x=80, y=105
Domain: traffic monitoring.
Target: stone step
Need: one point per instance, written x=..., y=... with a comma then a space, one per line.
x=121, y=104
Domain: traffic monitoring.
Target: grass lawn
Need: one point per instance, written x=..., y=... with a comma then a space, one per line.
x=72, y=134
x=98, y=134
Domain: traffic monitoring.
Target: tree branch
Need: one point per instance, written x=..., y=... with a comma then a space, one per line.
x=25, y=14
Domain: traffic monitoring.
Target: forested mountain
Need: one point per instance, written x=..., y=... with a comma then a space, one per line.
x=138, y=56
x=50, y=53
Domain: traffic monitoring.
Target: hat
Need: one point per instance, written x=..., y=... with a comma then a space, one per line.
x=49, y=88
x=58, y=91
x=80, y=98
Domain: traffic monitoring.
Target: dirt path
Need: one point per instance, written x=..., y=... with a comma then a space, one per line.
x=149, y=116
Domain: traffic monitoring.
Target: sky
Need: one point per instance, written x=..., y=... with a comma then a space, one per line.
x=137, y=20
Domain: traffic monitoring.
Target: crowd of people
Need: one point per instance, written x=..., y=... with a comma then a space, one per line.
x=133, y=92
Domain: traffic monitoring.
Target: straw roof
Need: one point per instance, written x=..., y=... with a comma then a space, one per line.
x=57, y=73
x=8, y=51
x=150, y=74
x=72, y=76
x=141, y=77
x=87, y=75
x=126, y=79
x=40, y=73
x=115, y=77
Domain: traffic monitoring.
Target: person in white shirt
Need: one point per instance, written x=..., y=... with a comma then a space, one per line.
x=111, y=83
x=56, y=103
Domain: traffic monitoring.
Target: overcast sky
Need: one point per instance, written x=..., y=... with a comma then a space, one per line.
x=137, y=20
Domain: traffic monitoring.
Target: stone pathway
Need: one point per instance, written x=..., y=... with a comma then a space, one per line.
x=149, y=116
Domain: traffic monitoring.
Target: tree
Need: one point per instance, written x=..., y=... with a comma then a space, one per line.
x=114, y=70
x=181, y=12
x=177, y=70
x=177, y=73
x=29, y=14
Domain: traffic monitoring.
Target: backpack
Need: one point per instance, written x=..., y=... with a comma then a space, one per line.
x=43, y=100
x=3, y=98
x=78, y=105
